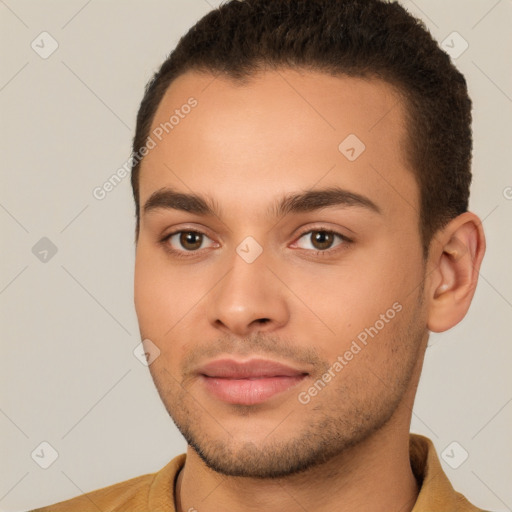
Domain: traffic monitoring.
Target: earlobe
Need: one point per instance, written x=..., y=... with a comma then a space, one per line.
x=456, y=255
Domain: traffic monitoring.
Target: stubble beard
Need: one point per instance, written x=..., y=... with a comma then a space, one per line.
x=344, y=414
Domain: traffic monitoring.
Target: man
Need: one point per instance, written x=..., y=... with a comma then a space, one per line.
x=301, y=176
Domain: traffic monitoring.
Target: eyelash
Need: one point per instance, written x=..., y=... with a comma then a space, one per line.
x=327, y=252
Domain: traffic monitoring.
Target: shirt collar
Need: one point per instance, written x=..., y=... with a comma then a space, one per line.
x=436, y=492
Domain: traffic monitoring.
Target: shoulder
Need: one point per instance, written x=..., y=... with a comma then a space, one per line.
x=108, y=498
x=136, y=493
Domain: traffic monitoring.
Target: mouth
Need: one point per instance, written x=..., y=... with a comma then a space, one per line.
x=249, y=382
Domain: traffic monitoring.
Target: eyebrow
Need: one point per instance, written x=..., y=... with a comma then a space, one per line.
x=311, y=200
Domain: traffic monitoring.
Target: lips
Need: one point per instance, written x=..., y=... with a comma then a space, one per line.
x=249, y=382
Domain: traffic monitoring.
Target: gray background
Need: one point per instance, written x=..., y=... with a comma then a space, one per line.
x=68, y=373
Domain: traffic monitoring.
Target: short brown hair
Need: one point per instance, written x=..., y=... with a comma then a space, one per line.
x=358, y=38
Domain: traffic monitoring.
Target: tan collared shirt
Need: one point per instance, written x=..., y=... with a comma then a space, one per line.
x=155, y=492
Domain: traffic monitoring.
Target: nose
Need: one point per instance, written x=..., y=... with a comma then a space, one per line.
x=249, y=298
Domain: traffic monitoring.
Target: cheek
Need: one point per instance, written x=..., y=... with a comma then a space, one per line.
x=159, y=305
x=351, y=298
x=156, y=292
x=165, y=294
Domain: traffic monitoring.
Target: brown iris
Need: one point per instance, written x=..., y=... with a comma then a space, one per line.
x=322, y=239
x=191, y=240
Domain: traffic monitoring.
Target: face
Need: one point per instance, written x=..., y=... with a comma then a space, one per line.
x=278, y=267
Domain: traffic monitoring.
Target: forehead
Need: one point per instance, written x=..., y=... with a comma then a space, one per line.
x=279, y=129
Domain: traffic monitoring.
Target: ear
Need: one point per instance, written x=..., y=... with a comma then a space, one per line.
x=455, y=256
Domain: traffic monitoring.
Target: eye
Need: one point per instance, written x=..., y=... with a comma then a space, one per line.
x=187, y=241
x=321, y=240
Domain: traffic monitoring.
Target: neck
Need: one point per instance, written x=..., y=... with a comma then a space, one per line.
x=374, y=475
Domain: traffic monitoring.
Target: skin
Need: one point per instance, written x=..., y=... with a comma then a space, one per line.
x=245, y=147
